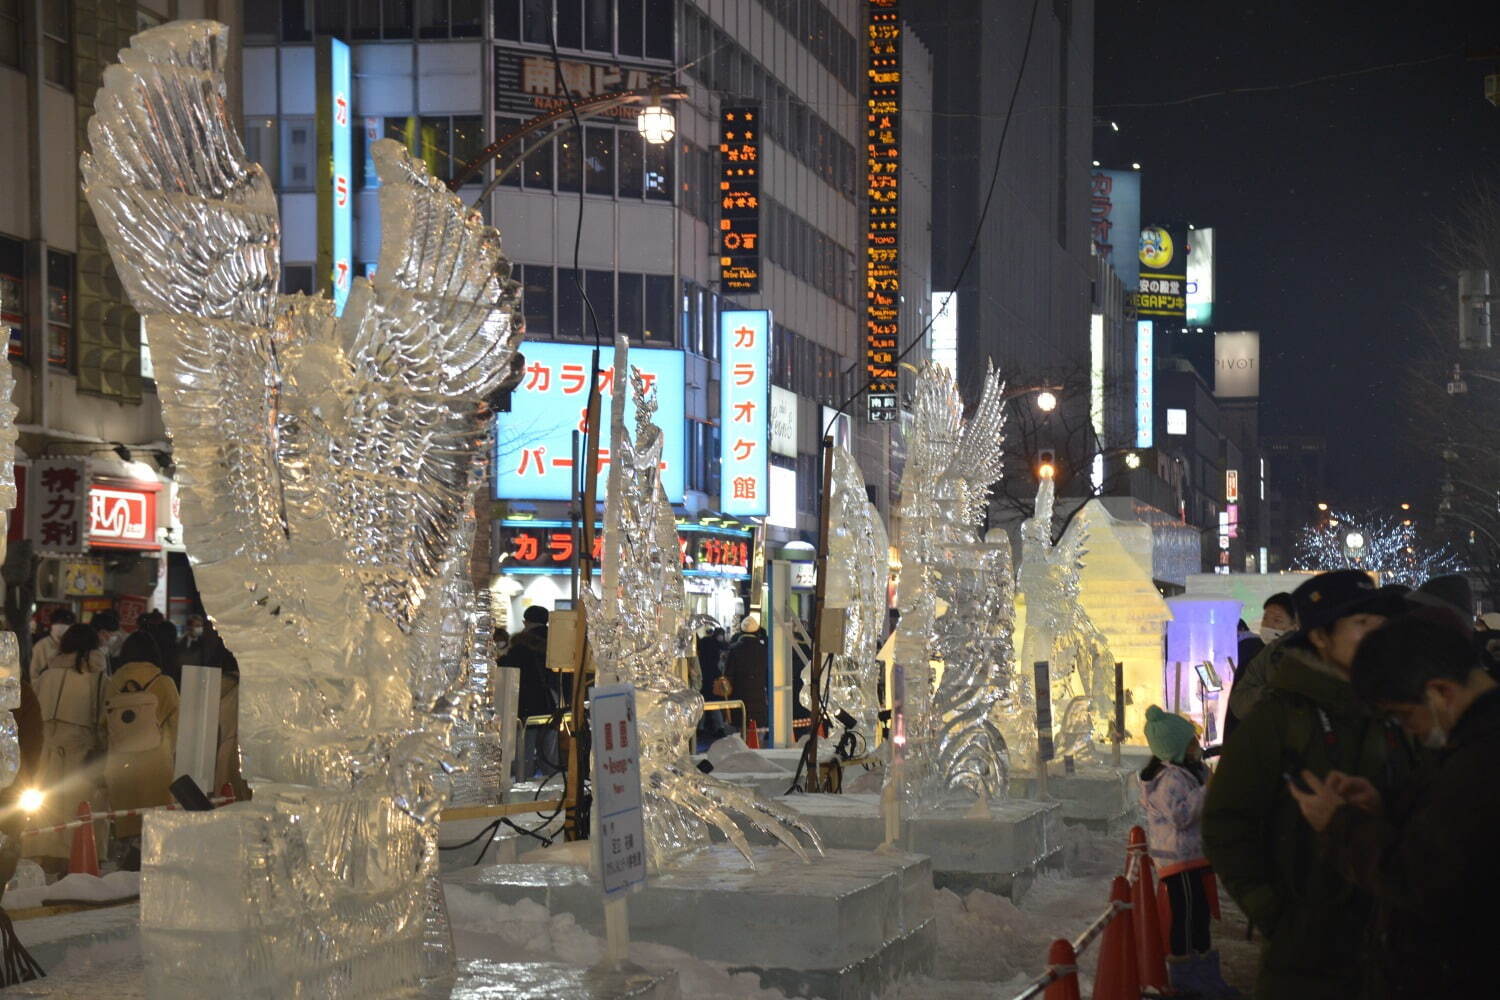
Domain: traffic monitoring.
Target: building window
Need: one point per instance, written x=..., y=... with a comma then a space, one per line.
x=659, y=328
x=10, y=33
x=639, y=306
x=612, y=162
x=13, y=294
x=508, y=20
x=298, y=150
x=57, y=42
x=59, y=307
x=449, y=18
x=261, y=145
x=632, y=306
x=536, y=293
x=297, y=278
x=599, y=160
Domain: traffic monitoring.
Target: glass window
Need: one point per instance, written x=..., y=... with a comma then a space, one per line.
x=396, y=22
x=331, y=17
x=659, y=171
x=536, y=297
x=507, y=158
x=468, y=140
x=434, y=149
x=365, y=22
x=59, y=307
x=536, y=21
x=508, y=20
x=432, y=18
x=632, y=306
x=599, y=163
x=569, y=24
x=601, y=288
x=13, y=294
x=658, y=322
x=297, y=153
x=57, y=42
x=466, y=18
x=297, y=278
x=406, y=131
x=569, y=161
x=260, y=145
x=538, y=173
x=599, y=25
x=261, y=21
x=569, y=304
x=632, y=164
x=659, y=29
x=296, y=21
x=632, y=30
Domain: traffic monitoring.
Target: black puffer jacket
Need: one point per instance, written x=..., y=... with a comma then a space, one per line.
x=745, y=666
x=528, y=653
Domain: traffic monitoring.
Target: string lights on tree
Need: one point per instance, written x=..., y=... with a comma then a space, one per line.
x=1380, y=543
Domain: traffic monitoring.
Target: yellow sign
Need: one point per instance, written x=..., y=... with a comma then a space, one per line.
x=1156, y=247
x=82, y=577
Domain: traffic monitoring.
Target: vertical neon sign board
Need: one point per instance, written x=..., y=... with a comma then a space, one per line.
x=335, y=178
x=1145, y=372
x=883, y=190
x=744, y=412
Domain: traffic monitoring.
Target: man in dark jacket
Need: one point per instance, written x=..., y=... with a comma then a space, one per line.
x=711, y=667
x=528, y=654
x=1268, y=858
x=745, y=667
x=1426, y=854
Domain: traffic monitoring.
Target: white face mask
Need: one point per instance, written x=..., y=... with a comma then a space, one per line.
x=1269, y=635
x=58, y=631
x=1437, y=737
x=114, y=642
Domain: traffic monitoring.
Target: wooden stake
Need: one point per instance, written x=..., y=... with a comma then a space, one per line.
x=570, y=740
x=820, y=589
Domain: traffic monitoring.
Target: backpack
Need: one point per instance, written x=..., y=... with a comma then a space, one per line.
x=131, y=718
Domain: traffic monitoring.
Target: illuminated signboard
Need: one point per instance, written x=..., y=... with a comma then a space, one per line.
x=1200, y=277
x=534, y=441
x=1115, y=221
x=543, y=547
x=1162, y=286
x=744, y=411
x=1145, y=371
x=123, y=516
x=883, y=185
x=739, y=199
x=335, y=178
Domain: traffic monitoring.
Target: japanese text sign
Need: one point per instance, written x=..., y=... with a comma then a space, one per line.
x=1115, y=221
x=744, y=411
x=57, y=514
x=621, y=837
x=739, y=199
x=335, y=180
x=123, y=517
x=882, y=183
x=534, y=441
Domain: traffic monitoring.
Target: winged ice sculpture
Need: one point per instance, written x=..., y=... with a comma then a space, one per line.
x=639, y=630
x=328, y=465
x=955, y=594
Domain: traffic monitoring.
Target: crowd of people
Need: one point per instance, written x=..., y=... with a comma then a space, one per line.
x=1353, y=805
x=98, y=723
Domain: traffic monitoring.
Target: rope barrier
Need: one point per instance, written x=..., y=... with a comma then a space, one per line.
x=117, y=814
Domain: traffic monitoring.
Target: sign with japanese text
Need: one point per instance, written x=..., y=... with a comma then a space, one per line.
x=123, y=516
x=783, y=422
x=1145, y=376
x=534, y=441
x=526, y=83
x=1232, y=485
x=1115, y=221
x=739, y=199
x=883, y=184
x=82, y=577
x=744, y=411
x=57, y=513
x=1162, y=285
x=1045, y=750
x=335, y=176
x=1200, y=277
x=552, y=547
x=621, y=840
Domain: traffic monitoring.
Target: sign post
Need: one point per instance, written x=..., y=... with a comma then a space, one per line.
x=890, y=796
x=619, y=824
x=1044, y=748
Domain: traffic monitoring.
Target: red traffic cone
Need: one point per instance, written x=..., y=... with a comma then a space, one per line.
x=1117, y=978
x=1135, y=848
x=84, y=858
x=1151, y=958
x=1061, y=957
x=752, y=736
x=227, y=792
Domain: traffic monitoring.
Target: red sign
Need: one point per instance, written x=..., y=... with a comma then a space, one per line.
x=130, y=607
x=554, y=548
x=123, y=515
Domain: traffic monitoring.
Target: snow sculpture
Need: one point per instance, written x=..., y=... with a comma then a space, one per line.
x=955, y=594
x=327, y=468
x=639, y=628
x=1059, y=631
x=10, y=652
x=858, y=554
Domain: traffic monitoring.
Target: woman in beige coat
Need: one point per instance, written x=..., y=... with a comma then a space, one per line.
x=139, y=717
x=69, y=688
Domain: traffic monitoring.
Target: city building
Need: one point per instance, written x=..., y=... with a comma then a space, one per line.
x=1296, y=467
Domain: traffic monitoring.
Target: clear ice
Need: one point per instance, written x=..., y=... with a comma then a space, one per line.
x=639, y=633
x=10, y=651
x=955, y=595
x=328, y=468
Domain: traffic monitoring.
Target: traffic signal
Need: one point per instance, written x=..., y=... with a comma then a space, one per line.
x=1046, y=463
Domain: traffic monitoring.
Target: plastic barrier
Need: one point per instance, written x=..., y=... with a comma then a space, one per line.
x=85, y=818
x=1118, y=977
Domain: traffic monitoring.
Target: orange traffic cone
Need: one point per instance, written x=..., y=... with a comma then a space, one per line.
x=1150, y=955
x=1118, y=978
x=84, y=858
x=752, y=736
x=1135, y=847
x=227, y=792
x=1061, y=957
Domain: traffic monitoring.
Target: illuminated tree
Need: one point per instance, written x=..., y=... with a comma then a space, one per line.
x=1379, y=543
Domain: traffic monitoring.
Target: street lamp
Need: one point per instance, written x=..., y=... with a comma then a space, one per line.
x=1354, y=541
x=656, y=124
x=1323, y=507
x=1046, y=401
x=1132, y=460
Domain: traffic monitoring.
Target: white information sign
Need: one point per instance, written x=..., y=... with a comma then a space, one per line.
x=617, y=788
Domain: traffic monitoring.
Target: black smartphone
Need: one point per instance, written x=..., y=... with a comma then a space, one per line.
x=1297, y=782
x=188, y=795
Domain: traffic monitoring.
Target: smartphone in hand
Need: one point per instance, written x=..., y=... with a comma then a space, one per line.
x=1297, y=781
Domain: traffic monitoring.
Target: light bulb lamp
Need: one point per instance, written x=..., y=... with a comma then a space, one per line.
x=655, y=123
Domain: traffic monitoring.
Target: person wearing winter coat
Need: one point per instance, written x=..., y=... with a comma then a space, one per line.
x=745, y=669
x=528, y=654
x=1426, y=853
x=139, y=717
x=46, y=646
x=1263, y=852
x=710, y=650
x=70, y=690
x=1173, y=787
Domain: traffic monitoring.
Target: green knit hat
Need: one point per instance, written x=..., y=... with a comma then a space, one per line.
x=1168, y=734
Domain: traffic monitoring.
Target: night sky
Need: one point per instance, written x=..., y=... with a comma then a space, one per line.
x=1323, y=197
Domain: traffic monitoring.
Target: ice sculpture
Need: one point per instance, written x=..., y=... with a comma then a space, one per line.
x=10, y=653
x=1059, y=631
x=855, y=601
x=639, y=628
x=955, y=594
x=327, y=467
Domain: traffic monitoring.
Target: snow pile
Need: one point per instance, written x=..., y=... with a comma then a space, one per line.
x=526, y=932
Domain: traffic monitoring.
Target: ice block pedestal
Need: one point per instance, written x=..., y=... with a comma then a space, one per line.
x=1096, y=796
x=842, y=927
x=1000, y=853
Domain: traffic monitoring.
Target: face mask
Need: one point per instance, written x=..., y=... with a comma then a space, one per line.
x=114, y=642
x=58, y=631
x=1437, y=737
x=1269, y=635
